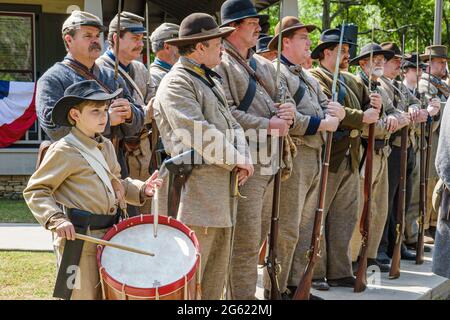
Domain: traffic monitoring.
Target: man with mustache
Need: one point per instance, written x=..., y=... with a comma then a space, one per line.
x=389, y=122
x=135, y=74
x=166, y=54
x=343, y=185
x=439, y=91
x=249, y=82
x=409, y=106
x=81, y=36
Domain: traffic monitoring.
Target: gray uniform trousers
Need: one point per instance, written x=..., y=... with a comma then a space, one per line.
x=215, y=254
x=379, y=207
x=340, y=216
x=412, y=214
x=293, y=197
x=441, y=252
x=252, y=227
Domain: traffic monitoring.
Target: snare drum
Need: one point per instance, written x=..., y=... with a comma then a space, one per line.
x=172, y=274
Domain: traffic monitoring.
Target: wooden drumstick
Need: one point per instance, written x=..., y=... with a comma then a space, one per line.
x=155, y=213
x=111, y=244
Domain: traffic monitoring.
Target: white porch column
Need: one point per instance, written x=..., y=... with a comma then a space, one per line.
x=290, y=8
x=95, y=7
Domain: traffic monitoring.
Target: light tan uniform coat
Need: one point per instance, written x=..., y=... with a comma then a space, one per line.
x=66, y=179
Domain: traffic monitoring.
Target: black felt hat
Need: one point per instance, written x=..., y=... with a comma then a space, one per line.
x=327, y=39
x=235, y=10
x=88, y=90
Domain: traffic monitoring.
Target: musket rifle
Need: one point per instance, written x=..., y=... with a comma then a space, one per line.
x=394, y=272
x=422, y=213
x=313, y=254
x=154, y=135
x=271, y=260
x=114, y=136
x=361, y=274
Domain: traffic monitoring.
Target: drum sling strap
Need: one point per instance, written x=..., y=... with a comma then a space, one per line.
x=82, y=221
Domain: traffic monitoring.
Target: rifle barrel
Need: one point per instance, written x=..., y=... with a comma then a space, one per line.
x=272, y=263
x=361, y=275
x=304, y=286
x=394, y=272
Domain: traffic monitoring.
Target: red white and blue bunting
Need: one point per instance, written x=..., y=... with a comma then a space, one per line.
x=17, y=110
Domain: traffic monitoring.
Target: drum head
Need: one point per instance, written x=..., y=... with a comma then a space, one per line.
x=175, y=256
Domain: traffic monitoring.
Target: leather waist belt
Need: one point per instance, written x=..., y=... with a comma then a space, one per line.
x=379, y=144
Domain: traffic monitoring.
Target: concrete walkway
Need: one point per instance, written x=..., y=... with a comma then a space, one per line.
x=24, y=237
x=416, y=281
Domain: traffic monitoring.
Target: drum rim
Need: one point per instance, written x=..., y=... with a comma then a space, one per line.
x=148, y=292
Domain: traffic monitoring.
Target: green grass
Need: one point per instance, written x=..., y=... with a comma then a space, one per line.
x=15, y=211
x=26, y=275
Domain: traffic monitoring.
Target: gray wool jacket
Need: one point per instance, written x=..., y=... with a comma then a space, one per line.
x=51, y=86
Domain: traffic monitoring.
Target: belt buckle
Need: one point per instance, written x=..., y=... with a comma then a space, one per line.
x=354, y=133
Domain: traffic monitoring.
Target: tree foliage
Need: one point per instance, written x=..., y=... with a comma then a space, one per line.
x=387, y=16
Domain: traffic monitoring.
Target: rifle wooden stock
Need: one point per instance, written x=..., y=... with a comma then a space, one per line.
x=361, y=275
x=424, y=196
x=394, y=272
x=271, y=262
x=304, y=286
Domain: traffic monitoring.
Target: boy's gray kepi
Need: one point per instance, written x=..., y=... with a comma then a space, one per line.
x=80, y=18
x=88, y=90
x=199, y=27
x=128, y=21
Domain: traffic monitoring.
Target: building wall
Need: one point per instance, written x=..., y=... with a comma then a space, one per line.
x=11, y=187
x=51, y=6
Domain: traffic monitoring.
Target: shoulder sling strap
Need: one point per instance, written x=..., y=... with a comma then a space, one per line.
x=298, y=96
x=85, y=74
x=251, y=89
x=208, y=84
x=95, y=159
x=124, y=75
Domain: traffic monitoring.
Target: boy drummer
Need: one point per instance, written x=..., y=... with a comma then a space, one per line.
x=80, y=173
